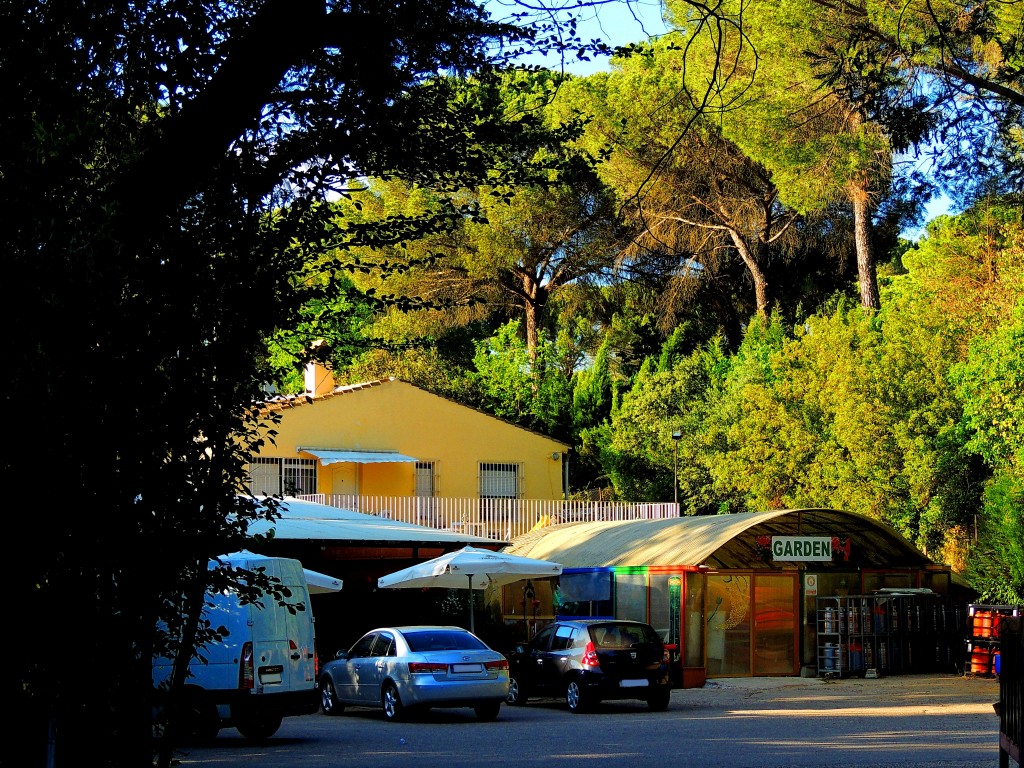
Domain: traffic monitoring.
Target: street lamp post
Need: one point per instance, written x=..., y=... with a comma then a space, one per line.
x=676, y=437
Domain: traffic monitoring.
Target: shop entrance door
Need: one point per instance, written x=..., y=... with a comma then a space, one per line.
x=775, y=624
x=751, y=624
x=728, y=624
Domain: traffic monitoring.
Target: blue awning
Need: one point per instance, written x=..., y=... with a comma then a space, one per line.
x=357, y=457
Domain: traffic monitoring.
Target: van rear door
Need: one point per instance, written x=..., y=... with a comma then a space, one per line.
x=283, y=640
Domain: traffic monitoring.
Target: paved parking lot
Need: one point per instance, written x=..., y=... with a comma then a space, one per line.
x=913, y=721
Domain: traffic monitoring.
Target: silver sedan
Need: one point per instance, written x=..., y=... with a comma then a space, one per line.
x=418, y=667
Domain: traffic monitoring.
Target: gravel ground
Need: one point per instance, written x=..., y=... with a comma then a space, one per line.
x=950, y=692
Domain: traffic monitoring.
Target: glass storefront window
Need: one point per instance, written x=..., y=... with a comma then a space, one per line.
x=584, y=594
x=728, y=624
x=661, y=606
x=631, y=596
x=693, y=652
x=529, y=601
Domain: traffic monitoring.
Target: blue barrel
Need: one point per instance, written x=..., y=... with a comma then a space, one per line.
x=831, y=656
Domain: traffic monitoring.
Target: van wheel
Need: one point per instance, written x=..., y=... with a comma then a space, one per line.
x=329, y=698
x=391, y=703
x=200, y=723
x=259, y=728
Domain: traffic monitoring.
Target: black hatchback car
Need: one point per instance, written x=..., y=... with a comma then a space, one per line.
x=591, y=660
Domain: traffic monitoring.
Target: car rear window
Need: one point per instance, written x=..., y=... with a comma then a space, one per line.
x=442, y=640
x=622, y=635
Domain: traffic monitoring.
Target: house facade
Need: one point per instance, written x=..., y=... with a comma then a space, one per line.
x=392, y=438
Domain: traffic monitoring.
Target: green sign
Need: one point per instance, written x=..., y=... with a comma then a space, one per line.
x=675, y=596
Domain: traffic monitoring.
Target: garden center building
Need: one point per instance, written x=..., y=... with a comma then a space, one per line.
x=746, y=594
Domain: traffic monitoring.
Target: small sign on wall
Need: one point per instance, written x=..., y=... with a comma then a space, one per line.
x=810, y=584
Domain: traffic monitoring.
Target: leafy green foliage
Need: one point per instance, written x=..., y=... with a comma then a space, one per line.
x=499, y=252
x=200, y=198
x=753, y=76
x=640, y=455
x=893, y=415
x=944, y=77
x=990, y=382
x=164, y=171
x=327, y=330
x=592, y=395
x=996, y=568
x=529, y=390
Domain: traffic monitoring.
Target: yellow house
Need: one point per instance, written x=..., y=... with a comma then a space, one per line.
x=391, y=438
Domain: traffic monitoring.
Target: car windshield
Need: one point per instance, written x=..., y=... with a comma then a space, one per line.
x=442, y=640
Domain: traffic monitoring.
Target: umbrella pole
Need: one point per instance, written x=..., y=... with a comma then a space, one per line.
x=471, y=628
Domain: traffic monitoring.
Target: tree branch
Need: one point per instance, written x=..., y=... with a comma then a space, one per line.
x=277, y=37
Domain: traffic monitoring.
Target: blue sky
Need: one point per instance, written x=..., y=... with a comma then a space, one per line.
x=617, y=22
x=936, y=207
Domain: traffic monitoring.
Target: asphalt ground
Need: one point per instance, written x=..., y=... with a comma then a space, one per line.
x=911, y=721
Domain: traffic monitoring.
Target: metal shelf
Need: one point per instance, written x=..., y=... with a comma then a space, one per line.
x=885, y=634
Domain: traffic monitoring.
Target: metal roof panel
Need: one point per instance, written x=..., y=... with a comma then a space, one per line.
x=708, y=540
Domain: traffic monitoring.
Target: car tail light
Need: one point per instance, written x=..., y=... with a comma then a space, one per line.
x=246, y=673
x=501, y=664
x=590, y=656
x=426, y=667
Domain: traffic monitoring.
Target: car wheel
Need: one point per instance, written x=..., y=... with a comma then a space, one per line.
x=516, y=693
x=329, y=698
x=658, y=701
x=259, y=728
x=488, y=710
x=576, y=697
x=391, y=702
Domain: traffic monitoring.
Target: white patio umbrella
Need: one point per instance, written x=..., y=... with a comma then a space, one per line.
x=459, y=569
x=320, y=583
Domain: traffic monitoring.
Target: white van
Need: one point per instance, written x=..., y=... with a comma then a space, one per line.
x=265, y=668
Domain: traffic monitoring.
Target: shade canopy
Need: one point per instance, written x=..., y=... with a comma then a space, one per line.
x=307, y=521
x=320, y=583
x=469, y=568
x=357, y=457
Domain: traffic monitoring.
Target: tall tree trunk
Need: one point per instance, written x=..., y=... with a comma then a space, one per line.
x=531, y=315
x=867, y=276
x=762, y=294
x=175, y=696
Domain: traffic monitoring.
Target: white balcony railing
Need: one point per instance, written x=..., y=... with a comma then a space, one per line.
x=501, y=519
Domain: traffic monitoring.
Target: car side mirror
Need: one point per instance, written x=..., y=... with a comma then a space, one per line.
x=520, y=648
x=342, y=654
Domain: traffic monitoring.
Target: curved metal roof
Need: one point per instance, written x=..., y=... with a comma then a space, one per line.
x=720, y=541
